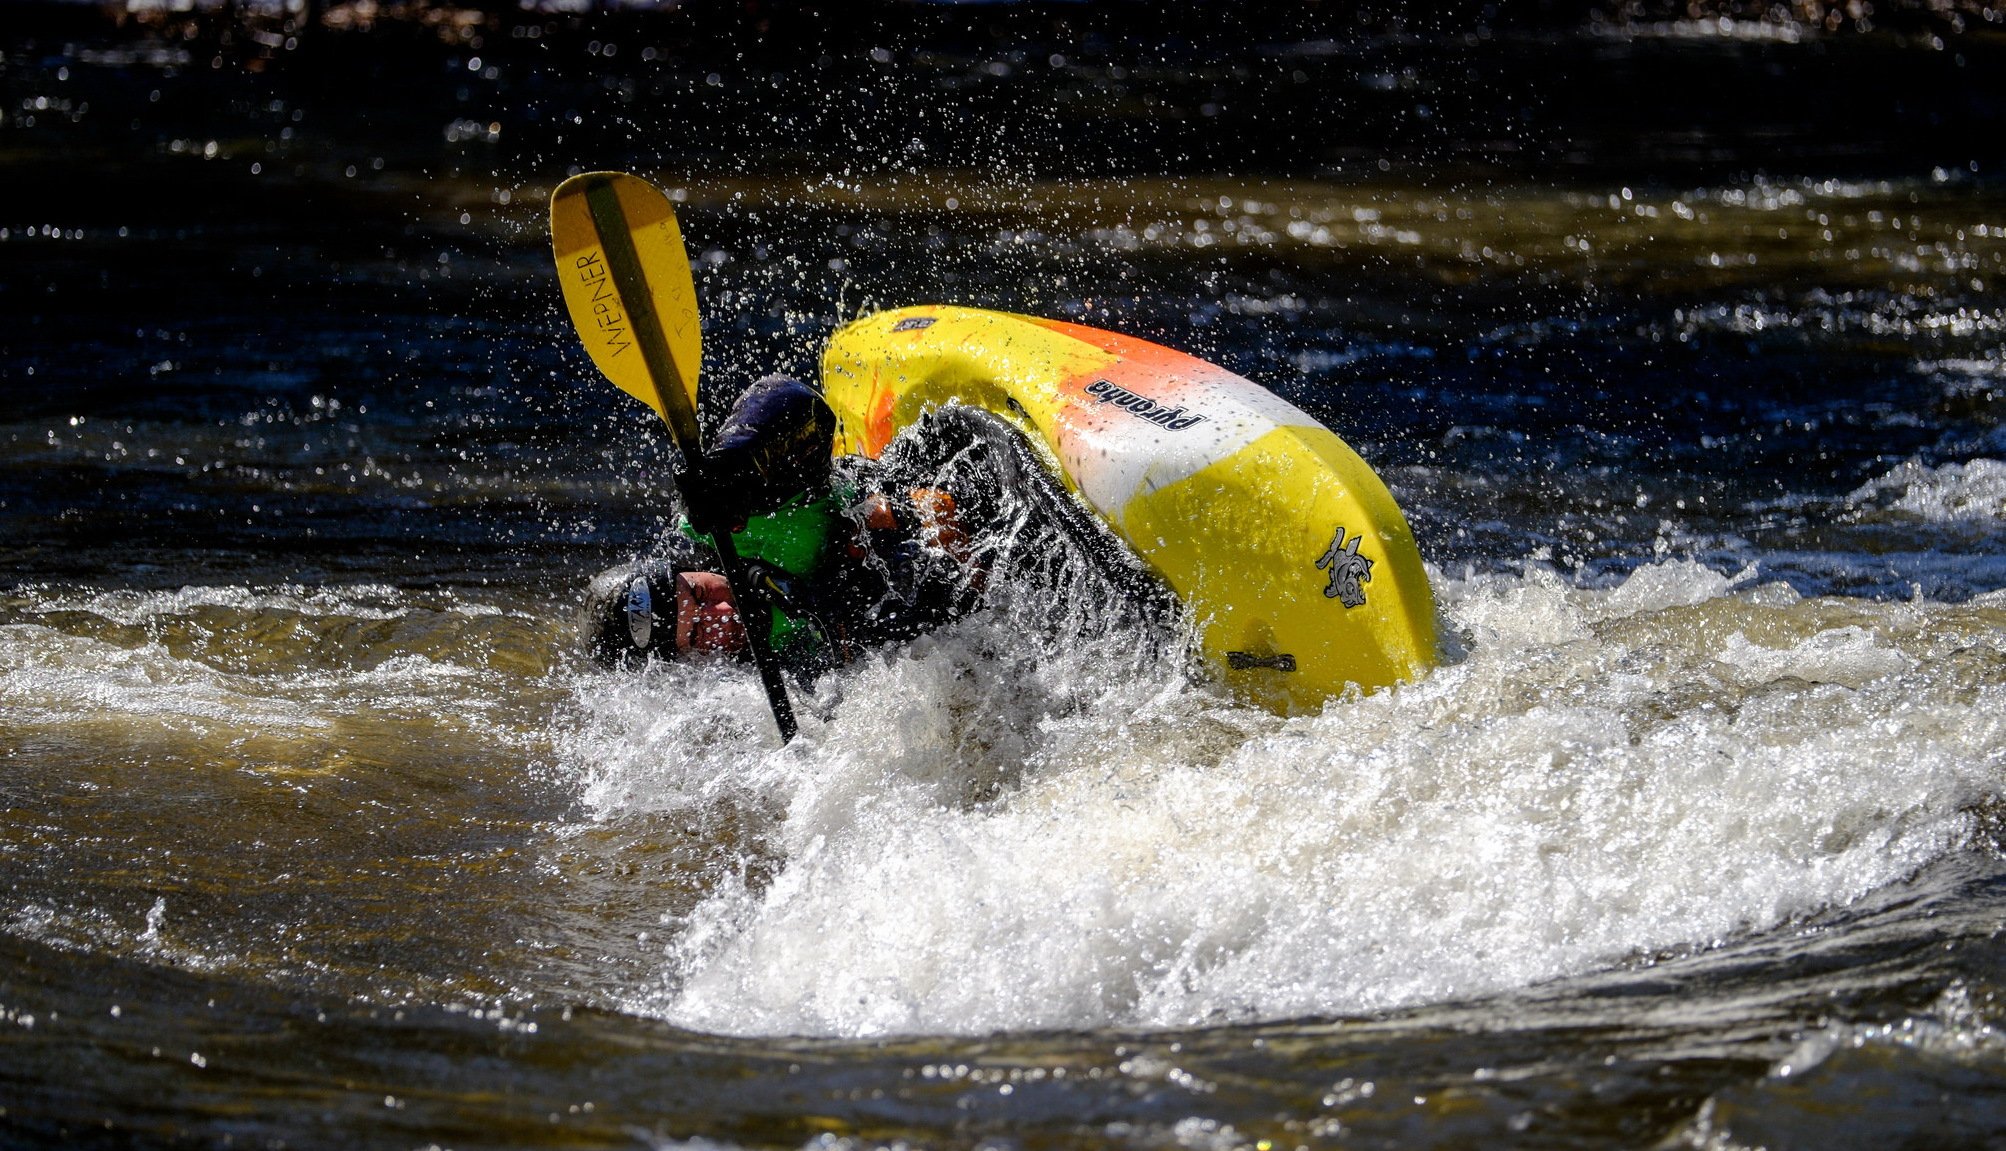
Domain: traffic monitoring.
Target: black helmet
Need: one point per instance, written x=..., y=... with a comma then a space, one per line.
x=630, y=609
x=773, y=447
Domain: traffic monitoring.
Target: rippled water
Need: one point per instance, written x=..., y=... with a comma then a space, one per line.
x=314, y=831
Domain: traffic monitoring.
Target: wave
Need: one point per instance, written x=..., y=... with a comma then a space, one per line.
x=975, y=841
x=1971, y=492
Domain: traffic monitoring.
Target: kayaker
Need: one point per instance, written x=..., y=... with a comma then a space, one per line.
x=848, y=558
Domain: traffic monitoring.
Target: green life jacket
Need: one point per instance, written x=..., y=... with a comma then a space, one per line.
x=795, y=541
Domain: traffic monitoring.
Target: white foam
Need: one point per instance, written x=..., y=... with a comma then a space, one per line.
x=1655, y=587
x=1850, y=656
x=363, y=601
x=976, y=843
x=1973, y=491
x=210, y=662
x=48, y=677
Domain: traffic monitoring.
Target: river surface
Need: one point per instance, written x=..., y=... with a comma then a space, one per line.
x=316, y=831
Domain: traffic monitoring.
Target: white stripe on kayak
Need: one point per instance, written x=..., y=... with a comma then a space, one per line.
x=1114, y=454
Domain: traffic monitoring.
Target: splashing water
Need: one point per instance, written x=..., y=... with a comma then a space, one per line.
x=1973, y=492
x=1607, y=776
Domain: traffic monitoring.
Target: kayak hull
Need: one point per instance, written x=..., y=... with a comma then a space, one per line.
x=1295, y=564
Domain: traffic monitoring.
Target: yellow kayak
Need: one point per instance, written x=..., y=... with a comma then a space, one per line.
x=1295, y=564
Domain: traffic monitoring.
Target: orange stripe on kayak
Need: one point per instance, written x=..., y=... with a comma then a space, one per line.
x=1114, y=343
x=879, y=430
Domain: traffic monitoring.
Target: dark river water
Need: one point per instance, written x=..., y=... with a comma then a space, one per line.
x=1681, y=344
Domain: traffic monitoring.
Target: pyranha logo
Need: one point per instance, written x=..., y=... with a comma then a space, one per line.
x=1348, y=570
x=914, y=324
x=1142, y=406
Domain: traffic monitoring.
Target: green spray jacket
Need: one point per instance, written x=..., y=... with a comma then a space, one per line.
x=787, y=550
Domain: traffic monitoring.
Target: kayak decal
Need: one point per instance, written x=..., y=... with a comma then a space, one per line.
x=1247, y=661
x=1142, y=406
x=1348, y=570
x=914, y=324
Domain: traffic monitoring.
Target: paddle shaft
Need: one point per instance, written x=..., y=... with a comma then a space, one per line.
x=630, y=279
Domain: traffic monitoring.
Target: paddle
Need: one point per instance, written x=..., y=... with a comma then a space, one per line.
x=627, y=284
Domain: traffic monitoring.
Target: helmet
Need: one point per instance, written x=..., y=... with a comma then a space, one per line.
x=629, y=611
x=773, y=447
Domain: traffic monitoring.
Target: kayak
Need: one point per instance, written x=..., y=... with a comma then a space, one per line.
x=1289, y=556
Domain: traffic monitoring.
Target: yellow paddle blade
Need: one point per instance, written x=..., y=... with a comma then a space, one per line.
x=627, y=285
